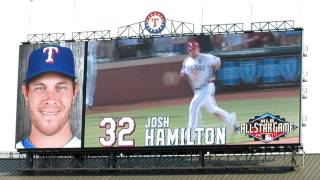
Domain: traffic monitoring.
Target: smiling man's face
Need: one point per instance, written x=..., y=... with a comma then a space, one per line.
x=49, y=98
x=194, y=52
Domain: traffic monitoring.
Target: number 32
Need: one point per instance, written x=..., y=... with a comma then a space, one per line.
x=111, y=129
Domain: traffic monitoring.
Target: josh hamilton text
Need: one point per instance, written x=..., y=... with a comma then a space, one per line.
x=159, y=133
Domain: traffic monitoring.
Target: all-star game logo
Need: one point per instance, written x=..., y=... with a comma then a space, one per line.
x=267, y=128
x=155, y=22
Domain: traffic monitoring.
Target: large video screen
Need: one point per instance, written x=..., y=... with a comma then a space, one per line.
x=193, y=90
x=197, y=90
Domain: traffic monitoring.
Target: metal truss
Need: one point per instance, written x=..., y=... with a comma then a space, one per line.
x=44, y=38
x=173, y=28
x=103, y=160
x=88, y=35
x=272, y=25
x=222, y=28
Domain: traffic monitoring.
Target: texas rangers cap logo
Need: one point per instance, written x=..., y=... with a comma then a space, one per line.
x=50, y=50
x=155, y=22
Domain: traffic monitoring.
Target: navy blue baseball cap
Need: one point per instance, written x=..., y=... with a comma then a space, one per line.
x=51, y=58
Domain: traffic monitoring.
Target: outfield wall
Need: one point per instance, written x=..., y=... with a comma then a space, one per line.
x=147, y=81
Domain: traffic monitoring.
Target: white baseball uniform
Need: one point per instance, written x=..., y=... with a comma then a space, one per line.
x=26, y=144
x=200, y=71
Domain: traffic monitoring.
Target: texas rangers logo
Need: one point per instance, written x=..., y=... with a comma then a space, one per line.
x=267, y=128
x=155, y=22
x=50, y=51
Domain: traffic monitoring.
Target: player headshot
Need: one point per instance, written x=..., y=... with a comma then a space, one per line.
x=200, y=70
x=49, y=89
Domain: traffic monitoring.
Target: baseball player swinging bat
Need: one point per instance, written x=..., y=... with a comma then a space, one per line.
x=200, y=69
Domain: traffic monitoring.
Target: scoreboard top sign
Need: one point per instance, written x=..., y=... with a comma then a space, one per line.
x=155, y=22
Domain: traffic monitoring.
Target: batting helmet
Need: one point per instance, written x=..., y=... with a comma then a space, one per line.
x=193, y=44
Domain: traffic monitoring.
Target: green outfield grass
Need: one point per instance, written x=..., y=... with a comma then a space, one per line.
x=287, y=107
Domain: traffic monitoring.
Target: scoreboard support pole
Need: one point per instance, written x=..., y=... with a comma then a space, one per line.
x=201, y=159
x=29, y=160
x=113, y=160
